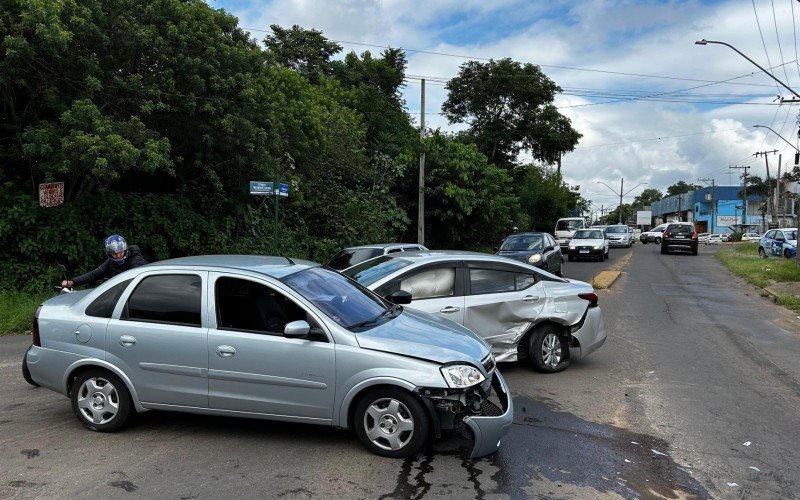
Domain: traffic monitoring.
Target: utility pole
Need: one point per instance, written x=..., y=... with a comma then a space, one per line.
x=421, y=207
x=619, y=209
x=713, y=201
x=744, y=209
x=769, y=183
x=778, y=191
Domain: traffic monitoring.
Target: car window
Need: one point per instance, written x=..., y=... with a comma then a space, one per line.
x=680, y=229
x=250, y=306
x=791, y=235
x=524, y=280
x=103, y=306
x=352, y=256
x=617, y=229
x=550, y=241
x=431, y=283
x=491, y=281
x=770, y=234
x=779, y=235
x=395, y=250
x=344, y=301
x=166, y=298
x=588, y=234
x=373, y=270
x=522, y=242
x=569, y=225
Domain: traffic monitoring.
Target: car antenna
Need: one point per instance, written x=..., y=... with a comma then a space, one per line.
x=290, y=260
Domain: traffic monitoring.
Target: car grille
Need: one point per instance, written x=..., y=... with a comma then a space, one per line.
x=489, y=364
x=584, y=247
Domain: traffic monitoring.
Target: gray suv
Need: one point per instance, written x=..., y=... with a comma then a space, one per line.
x=271, y=338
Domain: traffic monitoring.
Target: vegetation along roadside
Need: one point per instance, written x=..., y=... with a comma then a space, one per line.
x=779, y=277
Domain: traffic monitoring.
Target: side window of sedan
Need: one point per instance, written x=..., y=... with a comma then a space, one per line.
x=427, y=284
x=483, y=281
x=245, y=305
x=166, y=298
x=103, y=306
x=524, y=280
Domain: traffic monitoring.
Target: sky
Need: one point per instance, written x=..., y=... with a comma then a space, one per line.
x=654, y=108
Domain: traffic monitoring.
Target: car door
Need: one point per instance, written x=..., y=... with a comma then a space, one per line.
x=435, y=288
x=551, y=256
x=778, y=240
x=502, y=302
x=767, y=241
x=252, y=367
x=156, y=336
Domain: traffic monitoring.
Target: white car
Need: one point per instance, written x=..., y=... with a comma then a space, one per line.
x=703, y=238
x=619, y=235
x=351, y=256
x=713, y=239
x=588, y=243
x=654, y=234
x=751, y=237
x=520, y=310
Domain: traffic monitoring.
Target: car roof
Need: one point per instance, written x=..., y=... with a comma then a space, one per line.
x=438, y=255
x=527, y=233
x=382, y=245
x=276, y=267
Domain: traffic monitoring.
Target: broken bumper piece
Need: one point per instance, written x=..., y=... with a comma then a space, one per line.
x=489, y=428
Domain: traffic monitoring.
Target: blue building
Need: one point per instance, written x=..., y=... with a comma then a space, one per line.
x=713, y=210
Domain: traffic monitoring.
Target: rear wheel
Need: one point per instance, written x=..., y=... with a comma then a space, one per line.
x=391, y=422
x=663, y=249
x=100, y=400
x=658, y=240
x=548, y=350
x=694, y=250
x=787, y=254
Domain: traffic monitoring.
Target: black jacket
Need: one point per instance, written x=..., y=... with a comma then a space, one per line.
x=109, y=268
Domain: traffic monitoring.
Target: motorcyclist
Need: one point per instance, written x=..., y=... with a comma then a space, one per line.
x=120, y=259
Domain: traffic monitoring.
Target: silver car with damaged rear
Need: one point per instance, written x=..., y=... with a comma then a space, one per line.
x=522, y=311
x=266, y=337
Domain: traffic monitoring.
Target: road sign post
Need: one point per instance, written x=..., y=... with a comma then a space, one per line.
x=278, y=190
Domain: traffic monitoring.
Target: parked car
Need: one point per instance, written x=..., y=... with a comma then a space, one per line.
x=653, y=235
x=713, y=239
x=535, y=248
x=751, y=237
x=726, y=237
x=778, y=243
x=679, y=235
x=353, y=255
x=703, y=238
x=271, y=338
x=619, y=235
x=588, y=243
x=522, y=311
x=566, y=227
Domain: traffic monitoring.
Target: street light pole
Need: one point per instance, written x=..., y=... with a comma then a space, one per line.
x=779, y=135
x=705, y=42
x=621, y=194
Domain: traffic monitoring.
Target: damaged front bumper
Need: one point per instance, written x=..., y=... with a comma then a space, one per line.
x=488, y=430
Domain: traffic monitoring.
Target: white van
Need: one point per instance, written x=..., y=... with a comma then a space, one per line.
x=565, y=228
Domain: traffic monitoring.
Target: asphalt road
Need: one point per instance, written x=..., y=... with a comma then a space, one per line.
x=696, y=393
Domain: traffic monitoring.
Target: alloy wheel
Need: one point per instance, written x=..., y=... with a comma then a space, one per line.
x=551, y=350
x=389, y=424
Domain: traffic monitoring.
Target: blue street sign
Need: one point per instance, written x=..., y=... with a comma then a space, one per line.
x=266, y=189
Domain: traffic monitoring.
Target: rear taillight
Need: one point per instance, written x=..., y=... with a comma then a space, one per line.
x=36, y=340
x=665, y=235
x=694, y=235
x=591, y=297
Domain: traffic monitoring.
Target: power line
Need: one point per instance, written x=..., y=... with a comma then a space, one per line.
x=762, y=40
x=777, y=36
x=794, y=30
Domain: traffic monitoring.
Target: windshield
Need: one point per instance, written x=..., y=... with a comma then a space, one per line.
x=342, y=300
x=569, y=225
x=352, y=256
x=790, y=235
x=586, y=234
x=371, y=271
x=522, y=242
x=617, y=229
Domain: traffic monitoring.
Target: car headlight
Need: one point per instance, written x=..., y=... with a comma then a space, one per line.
x=572, y=247
x=597, y=247
x=460, y=376
x=533, y=259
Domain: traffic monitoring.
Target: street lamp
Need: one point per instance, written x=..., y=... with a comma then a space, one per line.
x=705, y=42
x=620, y=194
x=779, y=135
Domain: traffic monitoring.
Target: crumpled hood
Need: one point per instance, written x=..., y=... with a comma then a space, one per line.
x=422, y=335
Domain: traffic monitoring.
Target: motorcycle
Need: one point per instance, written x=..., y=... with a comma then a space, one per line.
x=26, y=374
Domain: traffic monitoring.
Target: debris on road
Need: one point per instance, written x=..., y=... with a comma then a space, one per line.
x=747, y=443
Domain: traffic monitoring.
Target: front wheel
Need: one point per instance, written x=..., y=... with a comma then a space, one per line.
x=100, y=400
x=762, y=253
x=560, y=272
x=608, y=253
x=658, y=241
x=694, y=250
x=391, y=422
x=548, y=350
x=787, y=254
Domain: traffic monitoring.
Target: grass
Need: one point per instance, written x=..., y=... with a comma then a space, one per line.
x=17, y=310
x=743, y=261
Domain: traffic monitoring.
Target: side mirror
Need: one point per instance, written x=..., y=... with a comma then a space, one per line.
x=399, y=297
x=296, y=329
x=548, y=248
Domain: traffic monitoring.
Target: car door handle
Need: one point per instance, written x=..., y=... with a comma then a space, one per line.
x=127, y=341
x=225, y=351
x=530, y=298
x=449, y=310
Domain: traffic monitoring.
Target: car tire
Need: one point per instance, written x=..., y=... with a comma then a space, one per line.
x=548, y=350
x=391, y=422
x=762, y=253
x=100, y=400
x=658, y=241
x=694, y=250
x=608, y=253
x=601, y=257
x=570, y=257
x=663, y=249
x=560, y=272
x=787, y=254
x=26, y=373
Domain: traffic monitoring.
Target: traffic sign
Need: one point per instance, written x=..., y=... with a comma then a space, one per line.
x=261, y=188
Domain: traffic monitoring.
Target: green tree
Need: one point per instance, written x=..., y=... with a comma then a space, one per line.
x=681, y=187
x=543, y=196
x=613, y=216
x=509, y=108
x=306, y=51
x=647, y=197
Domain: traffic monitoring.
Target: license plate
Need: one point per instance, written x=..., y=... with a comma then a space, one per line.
x=679, y=236
x=584, y=251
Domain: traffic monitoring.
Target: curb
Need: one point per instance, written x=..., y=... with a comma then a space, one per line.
x=604, y=279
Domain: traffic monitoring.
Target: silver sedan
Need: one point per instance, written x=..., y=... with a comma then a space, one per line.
x=266, y=337
x=522, y=311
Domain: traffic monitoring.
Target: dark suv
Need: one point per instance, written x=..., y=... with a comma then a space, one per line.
x=679, y=234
